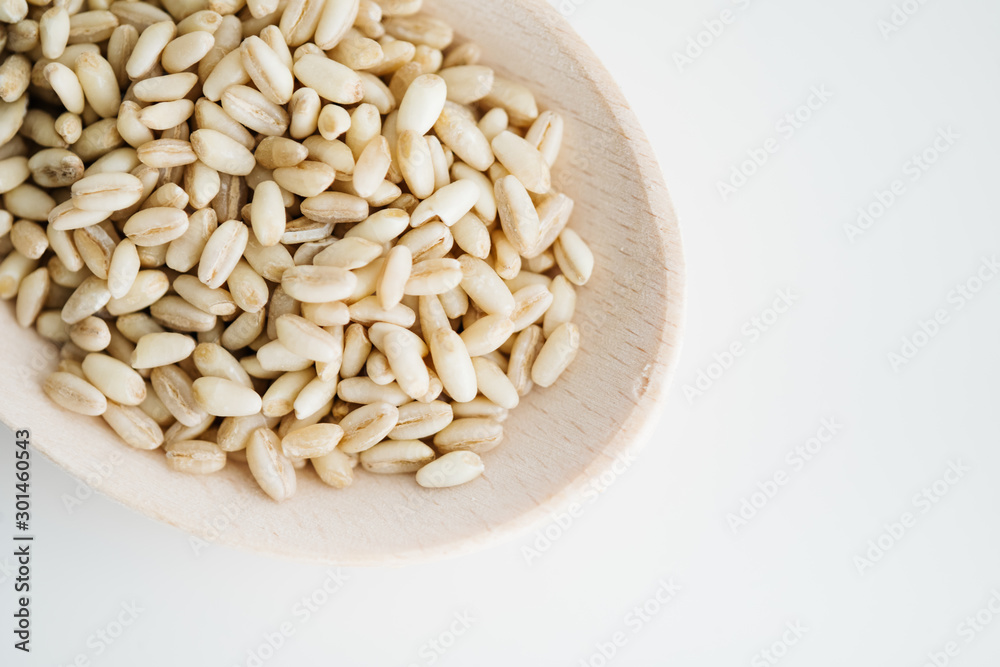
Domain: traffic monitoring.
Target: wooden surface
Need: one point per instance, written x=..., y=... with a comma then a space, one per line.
x=630, y=315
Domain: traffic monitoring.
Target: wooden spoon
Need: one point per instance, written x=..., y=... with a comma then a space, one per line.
x=557, y=440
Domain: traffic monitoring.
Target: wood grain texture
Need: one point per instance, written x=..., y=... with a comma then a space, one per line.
x=556, y=441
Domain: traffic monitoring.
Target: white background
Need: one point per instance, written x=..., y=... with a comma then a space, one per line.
x=665, y=519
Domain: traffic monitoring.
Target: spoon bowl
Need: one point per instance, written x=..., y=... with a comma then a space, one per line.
x=555, y=442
